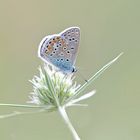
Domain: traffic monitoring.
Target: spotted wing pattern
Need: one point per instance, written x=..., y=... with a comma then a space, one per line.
x=60, y=49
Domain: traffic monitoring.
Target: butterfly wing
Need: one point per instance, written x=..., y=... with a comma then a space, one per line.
x=72, y=39
x=45, y=51
x=59, y=50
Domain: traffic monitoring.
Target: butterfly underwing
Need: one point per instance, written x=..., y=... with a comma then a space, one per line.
x=60, y=50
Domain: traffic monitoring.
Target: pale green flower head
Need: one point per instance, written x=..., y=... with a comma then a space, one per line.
x=52, y=88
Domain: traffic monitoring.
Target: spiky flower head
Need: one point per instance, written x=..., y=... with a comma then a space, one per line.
x=53, y=88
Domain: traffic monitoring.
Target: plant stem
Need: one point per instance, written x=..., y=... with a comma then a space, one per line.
x=21, y=105
x=95, y=76
x=64, y=115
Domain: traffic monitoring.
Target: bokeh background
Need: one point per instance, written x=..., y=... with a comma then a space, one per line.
x=108, y=27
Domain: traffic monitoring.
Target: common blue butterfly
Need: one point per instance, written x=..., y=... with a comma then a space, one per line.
x=60, y=50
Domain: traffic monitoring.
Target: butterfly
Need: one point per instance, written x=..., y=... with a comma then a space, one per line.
x=60, y=50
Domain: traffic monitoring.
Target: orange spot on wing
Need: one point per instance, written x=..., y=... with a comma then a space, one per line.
x=62, y=41
x=58, y=38
x=49, y=48
x=52, y=43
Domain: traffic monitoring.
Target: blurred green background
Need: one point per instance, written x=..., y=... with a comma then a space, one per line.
x=108, y=27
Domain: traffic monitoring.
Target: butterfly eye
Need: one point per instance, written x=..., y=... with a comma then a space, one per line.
x=54, y=52
x=73, y=39
x=64, y=48
x=68, y=51
x=62, y=59
x=50, y=42
x=55, y=49
x=67, y=59
x=72, y=48
x=70, y=39
x=57, y=59
x=51, y=54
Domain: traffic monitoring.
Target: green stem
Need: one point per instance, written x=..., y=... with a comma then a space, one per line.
x=15, y=113
x=68, y=123
x=95, y=76
x=21, y=105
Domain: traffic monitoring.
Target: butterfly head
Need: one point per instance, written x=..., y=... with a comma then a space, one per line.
x=74, y=70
